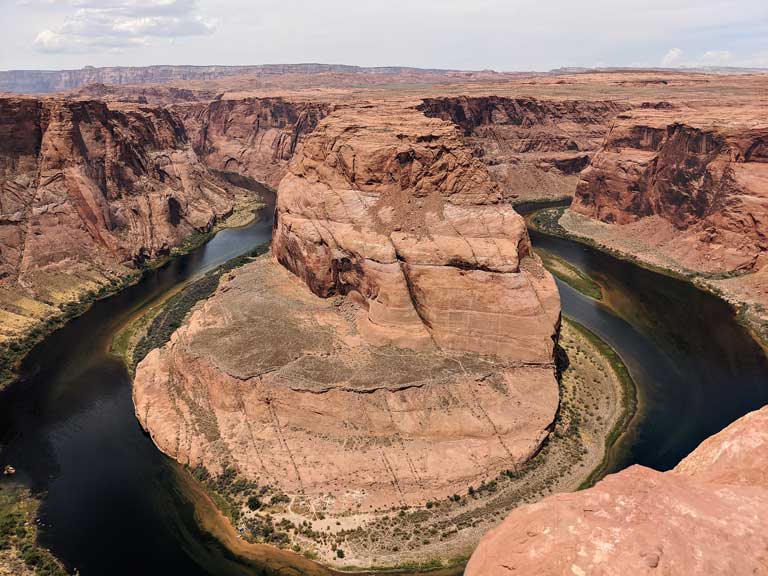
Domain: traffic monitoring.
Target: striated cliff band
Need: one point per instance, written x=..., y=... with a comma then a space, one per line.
x=395, y=350
x=707, y=516
x=534, y=148
x=390, y=207
x=687, y=190
x=88, y=194
x=255, y=137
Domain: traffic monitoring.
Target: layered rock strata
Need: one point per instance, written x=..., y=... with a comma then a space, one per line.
x=391, y=208
x=402, y=351
x=270, y=380
x=87, y=193
x=255, y=137
x=703, y=172
x=534, y=148
x=686, y=190
x=707, y=516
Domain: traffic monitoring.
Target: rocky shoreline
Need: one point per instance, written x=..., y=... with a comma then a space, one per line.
x=749, y=307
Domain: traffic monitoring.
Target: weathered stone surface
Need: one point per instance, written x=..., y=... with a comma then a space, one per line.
x=704, y=171
x=277, y=383
x=87, y=192
x=255, y=137
x=707, y=516
x=390, y=207
x=534, y=148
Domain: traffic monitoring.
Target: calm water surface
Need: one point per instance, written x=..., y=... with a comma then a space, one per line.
x=696, y=369
x=114, y=505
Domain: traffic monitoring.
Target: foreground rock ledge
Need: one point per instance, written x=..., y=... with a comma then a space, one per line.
x=707, y=516
x=269, y=378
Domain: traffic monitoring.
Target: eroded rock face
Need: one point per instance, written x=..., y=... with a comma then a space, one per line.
x=707, y=516
x=87, y=192
x=391, y=208
x=395, y=350
x=705, y=172
x=251, y=136
x=272, y=381
x=533, y=148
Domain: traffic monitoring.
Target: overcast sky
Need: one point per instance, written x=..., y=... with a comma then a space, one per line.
x=465, y=34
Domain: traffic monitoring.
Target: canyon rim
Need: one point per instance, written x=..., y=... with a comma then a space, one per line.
x=388, y=374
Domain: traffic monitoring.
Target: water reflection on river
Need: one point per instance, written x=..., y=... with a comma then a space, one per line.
x=116, y=506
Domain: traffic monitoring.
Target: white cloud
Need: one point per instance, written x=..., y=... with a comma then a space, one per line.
x=499, y=34
x=716, y=58
x=120, y=24
x=671, y=58
x=676, y=58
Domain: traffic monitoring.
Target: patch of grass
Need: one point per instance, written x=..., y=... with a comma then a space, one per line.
x=571, y=275
x=19, y=534
x=523, y=206
x=628, y=397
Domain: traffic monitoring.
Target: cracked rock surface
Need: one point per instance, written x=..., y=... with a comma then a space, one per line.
x=272, y=380
x=707, y=516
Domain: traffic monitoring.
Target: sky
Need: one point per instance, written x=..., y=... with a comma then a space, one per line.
x=504, y=35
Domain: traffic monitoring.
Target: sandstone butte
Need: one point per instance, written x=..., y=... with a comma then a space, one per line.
x=408, y=355
x=707, y=516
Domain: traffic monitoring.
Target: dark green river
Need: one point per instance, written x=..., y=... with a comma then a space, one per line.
x=113, y=505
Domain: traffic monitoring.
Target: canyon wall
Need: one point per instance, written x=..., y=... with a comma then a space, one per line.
x=534, y=148
x=390, y=207
x=87, y=193
x=703, y=171
x=255, y=137
x=707, y=516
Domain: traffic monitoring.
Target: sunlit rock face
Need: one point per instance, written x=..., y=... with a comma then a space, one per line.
x=254, y=137
x=704, y=171
x=390, y=207
x=89, y=191
x=707, y=516
x=534, y=148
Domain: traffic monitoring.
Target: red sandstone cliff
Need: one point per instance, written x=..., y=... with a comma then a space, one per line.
x=391, y=207
x=533, y=148
x=397, y=350
x=707, y=516
x=251, y=136
x=86, y=192
x=705, y=172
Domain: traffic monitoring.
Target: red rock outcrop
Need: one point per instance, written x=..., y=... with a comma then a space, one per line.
x=391, y=207
x=707, y=516
x=397, y=349
x=252, y=136
x=533, y=148
x=704, y=171
x=269, y=379
x=87, y=191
